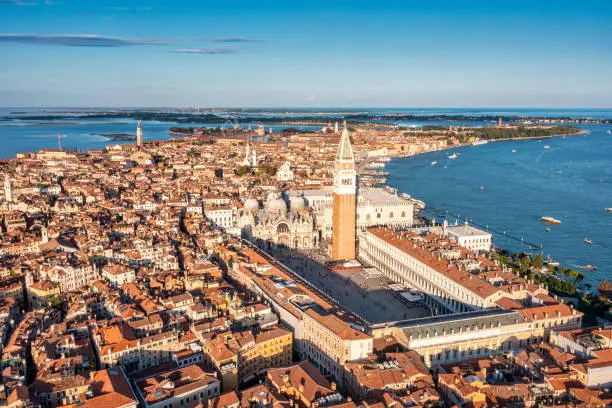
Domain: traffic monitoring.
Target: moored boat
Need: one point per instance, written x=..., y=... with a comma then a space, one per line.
x=453, y=156
x=548, y=261
x=588, y=241
x=550, y=220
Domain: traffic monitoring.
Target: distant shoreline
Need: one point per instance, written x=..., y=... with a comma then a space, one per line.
x=404, y=156
x=43, y=124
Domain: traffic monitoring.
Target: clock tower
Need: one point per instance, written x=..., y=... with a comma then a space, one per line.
x=344, y=201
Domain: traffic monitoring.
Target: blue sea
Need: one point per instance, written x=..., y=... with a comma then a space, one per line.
x=80, y=134
x=571, y=180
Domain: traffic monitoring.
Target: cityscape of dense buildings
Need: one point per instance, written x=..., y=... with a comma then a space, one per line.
x=173, y=274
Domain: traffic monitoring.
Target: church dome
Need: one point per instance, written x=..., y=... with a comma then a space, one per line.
x=251, y=204
x=276, y=206
x=297, y=203
x=273, y=195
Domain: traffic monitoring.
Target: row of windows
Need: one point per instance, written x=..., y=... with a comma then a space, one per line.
x=422, y=270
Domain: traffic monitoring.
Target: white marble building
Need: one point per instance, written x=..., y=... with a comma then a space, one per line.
x=375, y=207
x=285, y=172
x=469, y=237
x=279, y=222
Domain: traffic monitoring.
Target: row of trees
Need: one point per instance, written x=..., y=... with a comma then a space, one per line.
x=562, y=282
x=493, y=133
x=264, y=169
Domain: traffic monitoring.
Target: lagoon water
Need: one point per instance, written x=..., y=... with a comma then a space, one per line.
x=571, y=181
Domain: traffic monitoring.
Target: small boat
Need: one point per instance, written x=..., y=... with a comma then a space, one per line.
x=479, y=142
x=550, y=262
x=482, y=187
x=433, y=163
x=589, y=268
x=588, y=241
x=608, y=209
x=609, y=132
x=550, y=220
x=547, y=147
x=547, y=229
x=513, y=151
x=453, y=156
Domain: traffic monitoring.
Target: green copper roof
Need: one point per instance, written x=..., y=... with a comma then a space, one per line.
x=345, y=151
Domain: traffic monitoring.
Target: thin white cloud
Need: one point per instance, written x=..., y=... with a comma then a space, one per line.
x=18, y=2
x=209, y=51
x=75, y=40
x=237, y=40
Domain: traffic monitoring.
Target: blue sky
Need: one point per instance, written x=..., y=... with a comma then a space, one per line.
x=454, y=53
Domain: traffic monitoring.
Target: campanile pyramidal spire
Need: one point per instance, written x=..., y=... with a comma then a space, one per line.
x=344, y=201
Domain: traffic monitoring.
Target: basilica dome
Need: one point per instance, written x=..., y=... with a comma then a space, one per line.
x=297, y=203
x=251, y=204
x=277, y=206
x=273, y=195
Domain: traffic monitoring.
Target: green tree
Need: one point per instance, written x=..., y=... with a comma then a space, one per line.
x=56, y=303
x=193, y=153
x=575, y=276
x=243, y=170
x=266, y=169
x=537, y=262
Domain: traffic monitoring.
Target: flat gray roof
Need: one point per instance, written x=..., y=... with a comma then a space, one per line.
x=429, y=326
x=465, y=230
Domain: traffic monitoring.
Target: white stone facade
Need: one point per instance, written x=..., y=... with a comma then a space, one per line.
x=443, y=294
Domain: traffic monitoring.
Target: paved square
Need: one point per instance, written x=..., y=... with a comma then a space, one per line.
x=364, y=292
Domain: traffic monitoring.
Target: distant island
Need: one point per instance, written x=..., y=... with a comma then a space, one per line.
x=225, y=117
x=217, y=131
x=117, y=137
x=523, y=132
x=465, y=134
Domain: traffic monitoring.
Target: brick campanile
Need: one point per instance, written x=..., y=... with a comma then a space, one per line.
x=345, y=199
x=139, y=134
